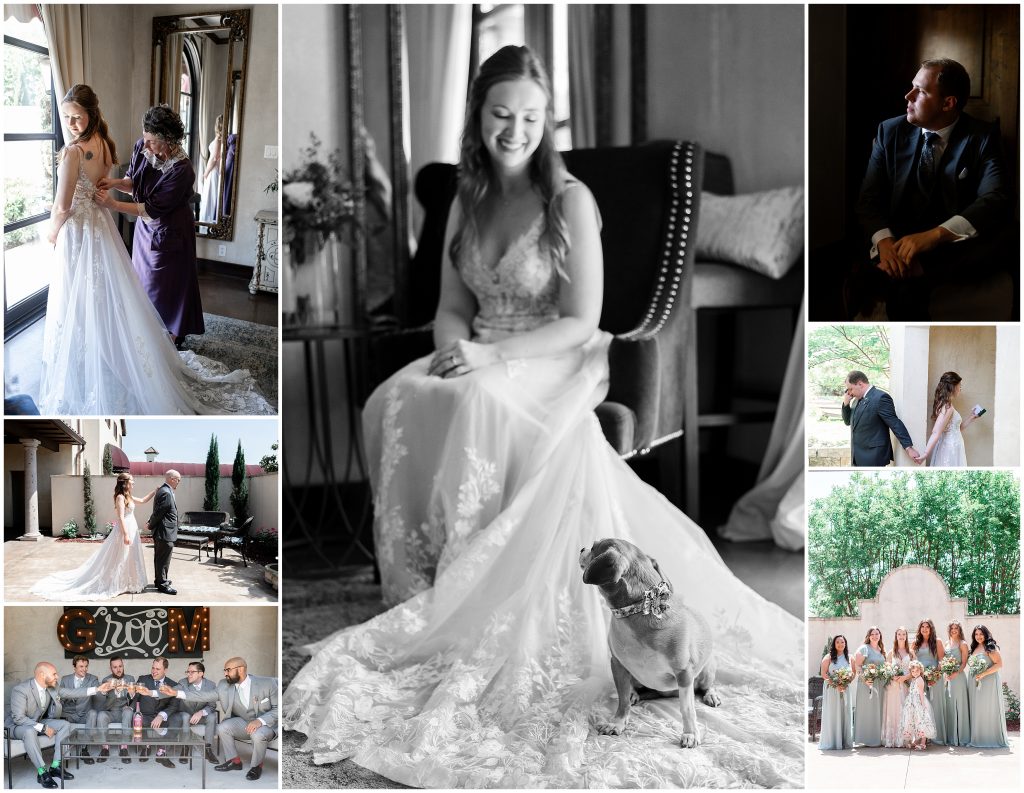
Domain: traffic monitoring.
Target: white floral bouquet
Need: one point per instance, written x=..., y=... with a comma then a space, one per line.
x=948, y=666
x=977, y=665
x=869, y=673
x=931, y=675
x=892, y=670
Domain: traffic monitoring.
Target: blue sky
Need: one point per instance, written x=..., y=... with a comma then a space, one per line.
x=185, y=440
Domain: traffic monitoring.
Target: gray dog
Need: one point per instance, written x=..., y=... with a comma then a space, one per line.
x=655, y=640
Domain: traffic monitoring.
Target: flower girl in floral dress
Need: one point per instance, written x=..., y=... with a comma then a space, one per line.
x=917, y=724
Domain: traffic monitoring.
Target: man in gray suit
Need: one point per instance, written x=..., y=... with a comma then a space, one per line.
x=36, y=711
x=249, y=705
x=870, y=418
x=80, y=711
x=163, y=523
x=192, y=713
x=112, y=707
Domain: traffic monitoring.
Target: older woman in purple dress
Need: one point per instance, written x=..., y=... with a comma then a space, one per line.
x=161, y=182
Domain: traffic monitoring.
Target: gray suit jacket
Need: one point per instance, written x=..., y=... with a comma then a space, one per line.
x=110, y=700
x=191, y=706
x=25, y=709
x=870, y=420
x=164, y=520
x=75, y=707
x=262, y=704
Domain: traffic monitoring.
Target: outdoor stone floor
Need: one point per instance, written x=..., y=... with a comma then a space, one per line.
x=25, y=563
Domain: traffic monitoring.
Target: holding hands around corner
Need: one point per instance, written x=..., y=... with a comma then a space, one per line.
x=461, y=357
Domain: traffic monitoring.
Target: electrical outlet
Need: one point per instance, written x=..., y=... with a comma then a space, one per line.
x=270, y=152
x=222, y=250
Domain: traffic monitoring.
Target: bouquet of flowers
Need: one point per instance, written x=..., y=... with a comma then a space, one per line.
x=315, y=197
x=949, y=666
x=840, y=678
x=931, y=675
x=977, y=665
x=892, y=670
x=869, y=673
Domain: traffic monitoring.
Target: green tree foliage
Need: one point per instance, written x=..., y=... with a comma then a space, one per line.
x=269, y=461
x=90, y=506
x=108, y=462
x=211, y=502
x=239, y=488
x=834, y=350
x=963, y=524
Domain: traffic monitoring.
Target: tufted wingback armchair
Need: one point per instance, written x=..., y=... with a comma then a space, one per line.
x=648, y=196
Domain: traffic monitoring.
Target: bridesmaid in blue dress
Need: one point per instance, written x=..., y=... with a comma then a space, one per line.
x=867, y=717
x=958, y=719
x=988, y=712
x=836, y=703
x=929, y=651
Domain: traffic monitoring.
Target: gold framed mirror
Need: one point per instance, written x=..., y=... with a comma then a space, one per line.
x=199, y=69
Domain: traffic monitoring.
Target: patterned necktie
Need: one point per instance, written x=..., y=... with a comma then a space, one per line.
x=926, y=167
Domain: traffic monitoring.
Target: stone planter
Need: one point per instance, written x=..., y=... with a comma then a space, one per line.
x=270, y=575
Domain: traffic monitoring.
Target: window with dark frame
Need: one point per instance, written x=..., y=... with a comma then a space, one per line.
x=32, y=138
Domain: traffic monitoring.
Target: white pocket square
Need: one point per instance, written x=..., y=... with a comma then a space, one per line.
x=962, y=174
x=265, y=699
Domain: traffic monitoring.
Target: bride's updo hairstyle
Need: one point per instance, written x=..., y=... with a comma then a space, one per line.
x=83, y=96
x=123, y=487
x=163, y=122
x=476, y=173
x=944, y=392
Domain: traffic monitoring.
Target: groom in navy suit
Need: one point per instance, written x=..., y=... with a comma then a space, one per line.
x=870, y=419
x=935, y=199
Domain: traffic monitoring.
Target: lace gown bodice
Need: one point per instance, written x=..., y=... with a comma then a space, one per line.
x=949, y=450
x=105, y=349
x=519, y=292
x=114, y=569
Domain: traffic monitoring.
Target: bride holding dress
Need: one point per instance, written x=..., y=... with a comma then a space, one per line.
x=490, y=473
x=945, y=447
x=116, y=567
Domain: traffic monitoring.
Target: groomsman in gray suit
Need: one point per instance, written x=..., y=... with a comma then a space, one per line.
x=36, y=711
x=249, y=705
x=112, y=707
x=80, y=711
x=192, y=713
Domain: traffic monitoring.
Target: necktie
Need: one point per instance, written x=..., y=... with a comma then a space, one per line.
x=42, y=699
x=926, y=167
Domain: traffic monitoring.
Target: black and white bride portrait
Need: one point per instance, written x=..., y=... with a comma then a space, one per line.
x=544, y=501
x=132, y=287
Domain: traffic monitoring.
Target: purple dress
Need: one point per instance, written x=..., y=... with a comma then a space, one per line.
x=164, y=250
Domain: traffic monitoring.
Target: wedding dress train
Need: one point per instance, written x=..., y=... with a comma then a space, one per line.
x=106, y=350
x=114, y=569
x=494, y=671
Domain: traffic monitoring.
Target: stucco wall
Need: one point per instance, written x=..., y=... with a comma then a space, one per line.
x=30, y=636
x=971, y=353
x=67, y=497
x=48, y=464
x=905, y=597
x=1006, y=407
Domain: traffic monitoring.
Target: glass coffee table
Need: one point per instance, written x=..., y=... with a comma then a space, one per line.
x=171, y=738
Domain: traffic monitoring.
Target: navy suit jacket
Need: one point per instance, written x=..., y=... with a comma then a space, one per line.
x=972, y=175
x=870, y=420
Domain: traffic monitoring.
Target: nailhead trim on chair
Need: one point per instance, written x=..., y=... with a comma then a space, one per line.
x=669, y=280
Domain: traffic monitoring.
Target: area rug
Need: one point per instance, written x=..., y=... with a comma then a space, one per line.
x=240, y=345
x=314, y=608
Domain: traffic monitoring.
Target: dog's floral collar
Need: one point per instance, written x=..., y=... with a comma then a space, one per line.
x=655, y=601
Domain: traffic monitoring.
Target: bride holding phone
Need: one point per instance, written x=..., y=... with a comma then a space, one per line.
x=945, y=447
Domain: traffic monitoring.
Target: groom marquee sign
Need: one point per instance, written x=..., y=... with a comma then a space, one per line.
x=142, y=632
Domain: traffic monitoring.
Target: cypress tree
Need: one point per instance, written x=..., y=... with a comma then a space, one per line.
x=239, y=488
x=211, y=503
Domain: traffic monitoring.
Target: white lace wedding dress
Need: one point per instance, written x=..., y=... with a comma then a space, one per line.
x=105, y=348
x=949, y=451
x=494, y=670
x=114, y=569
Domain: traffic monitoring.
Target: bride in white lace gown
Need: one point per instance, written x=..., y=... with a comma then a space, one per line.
x=117, y=566
x=490, y=474
x=105, y=349
x=945, y=447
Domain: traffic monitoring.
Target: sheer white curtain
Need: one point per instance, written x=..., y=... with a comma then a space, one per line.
x=582, y=87
x=66, y=29
x=438, y=41
x=774, y=508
